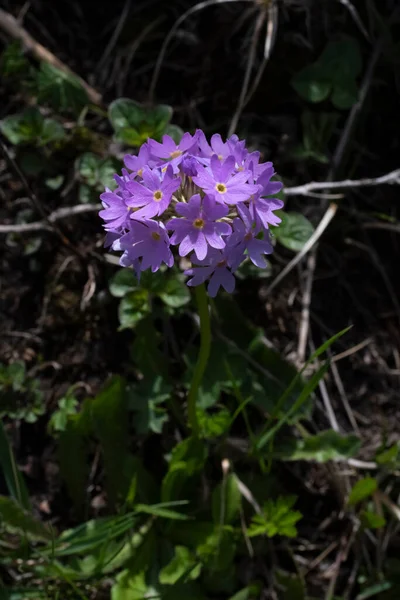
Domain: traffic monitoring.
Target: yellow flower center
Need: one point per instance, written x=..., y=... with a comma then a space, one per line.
x=221, y=263
x=199, y=223
x=140, y=172
x=175, y=153
x=158, y=195
x=221, y=188
x=156, y=236
x=220, y=156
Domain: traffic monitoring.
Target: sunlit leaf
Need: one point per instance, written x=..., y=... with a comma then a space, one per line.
x=23, y=127
x=294, y=231
x=371, y=520
x=322, y=447
x=134, y=123
x=277, y=518
x=183, y=565
x=364, y=488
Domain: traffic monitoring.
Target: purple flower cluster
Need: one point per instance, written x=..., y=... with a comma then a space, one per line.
x=212, y=200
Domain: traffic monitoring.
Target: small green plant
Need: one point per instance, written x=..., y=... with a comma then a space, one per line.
x=277, y=518
x=20, y=395
x=334, y=75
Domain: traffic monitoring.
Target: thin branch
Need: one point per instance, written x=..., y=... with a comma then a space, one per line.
x=11, y=27
x=326, y=219
x=356, y=17
x=303, y=190
x=57, y=215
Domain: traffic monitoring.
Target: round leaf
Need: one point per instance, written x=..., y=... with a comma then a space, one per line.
x=312, y=84
x=294, y=231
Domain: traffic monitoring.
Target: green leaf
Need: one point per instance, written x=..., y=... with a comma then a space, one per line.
x=345, y=94
x=312, y=84
x=175, y=293
x=22, y=522
x=364, y=488
x=226, y=500
x=244, y=594
x=371, y=520
x=218, y=549
x=96, y=171
x=73, y=449
x=187, y=459
x=146, y=352
x=110, y=424
x=277, y=518
x=13, y=477
x=389, y=457
x=341, y=60
x=122, y=282
x=160, y=510
x=95, y=533
x=132, y=587
x=257, y=370
x=54, y=183
x=214, y=424
x=134, y=123
x=23, y=127
x=67, y=406
x=63, y=91
x=182, y=566
x=52, y=131
x=13, y=62
x=336, y=69
x=145, y=399
x=374, y=590
x=133, y=307
x=325, y=446
x=303, y=397
x=294, y=231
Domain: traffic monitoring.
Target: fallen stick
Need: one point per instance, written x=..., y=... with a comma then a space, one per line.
x=11, y=27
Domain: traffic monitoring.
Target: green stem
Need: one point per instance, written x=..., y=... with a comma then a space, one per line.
x=204, y=353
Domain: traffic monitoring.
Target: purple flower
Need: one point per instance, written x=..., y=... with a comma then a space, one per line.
x=268, y=188
x=148, y=242
x=154, y=194
x=116, y=210
x=216, y=199
x=222, y=183
x=189, y=165
x=169, y=149
x=217, y=146
x=216, y=267
x=198, y=229
x=137, y=163
x=261, y=210
x=245, y=238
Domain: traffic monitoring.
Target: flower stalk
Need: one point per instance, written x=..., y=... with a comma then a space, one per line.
x=202, y=360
